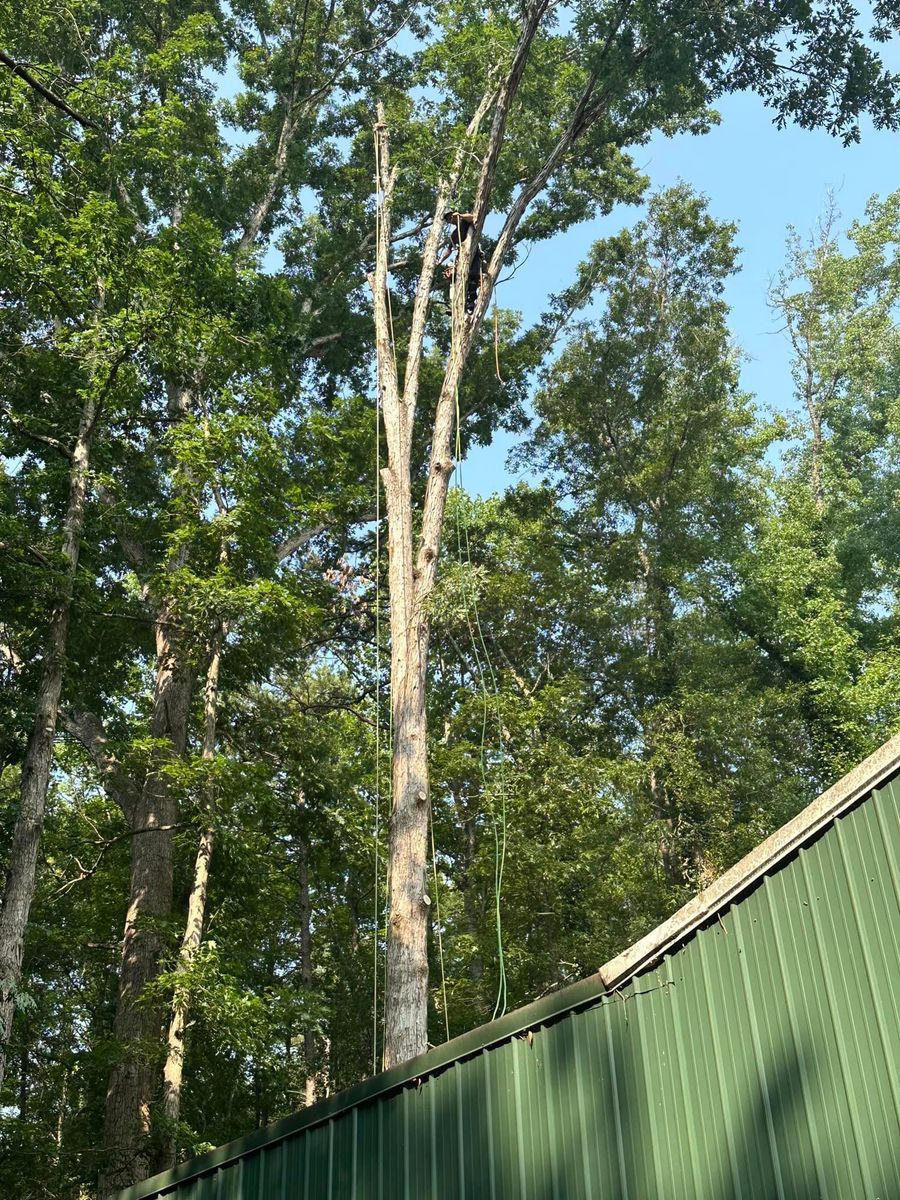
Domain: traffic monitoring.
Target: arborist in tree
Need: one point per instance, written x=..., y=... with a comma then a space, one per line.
x=462, y=225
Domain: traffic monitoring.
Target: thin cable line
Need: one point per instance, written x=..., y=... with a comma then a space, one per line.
x=377, y=732
x=440, y=940
x=499, y=828
x=376, y=897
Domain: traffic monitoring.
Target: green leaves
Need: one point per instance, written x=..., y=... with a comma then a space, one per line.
x=675, y=640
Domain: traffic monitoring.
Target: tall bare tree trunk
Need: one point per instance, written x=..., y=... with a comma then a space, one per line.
x=173, y=1070
x=138, y=1025
x=412, y=566
x=19, y=890
x=408, y=900
x=411, y=577
x=406, y=1009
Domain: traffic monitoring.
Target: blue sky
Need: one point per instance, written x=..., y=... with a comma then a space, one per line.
x=762, y=178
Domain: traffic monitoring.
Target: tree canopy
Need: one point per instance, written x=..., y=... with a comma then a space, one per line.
x=222, y=317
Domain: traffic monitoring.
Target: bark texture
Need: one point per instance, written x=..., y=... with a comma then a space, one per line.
x=138, y=1026
x=173, y=1071
x=407, y=959
x=20, y=881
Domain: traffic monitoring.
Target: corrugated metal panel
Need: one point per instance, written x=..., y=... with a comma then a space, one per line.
x=757, y=1060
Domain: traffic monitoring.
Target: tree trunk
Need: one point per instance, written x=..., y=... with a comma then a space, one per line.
x=19, y=890
x=412, y=572
x=311, y=1078
x=138, y=1026
x=193, y=932
x=407, y=959
x=411, y=577
x=406, y=1007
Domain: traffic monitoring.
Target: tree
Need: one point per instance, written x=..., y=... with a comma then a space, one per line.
x=620, y=72
x=77, y=351
x=820, y=585
x=656, y=456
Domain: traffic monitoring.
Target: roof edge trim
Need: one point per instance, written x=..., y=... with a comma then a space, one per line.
x=856, y=784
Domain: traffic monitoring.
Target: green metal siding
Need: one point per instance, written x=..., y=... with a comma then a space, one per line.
x=758, y=1060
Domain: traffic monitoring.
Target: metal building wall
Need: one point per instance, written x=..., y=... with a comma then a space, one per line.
x=759, y=1060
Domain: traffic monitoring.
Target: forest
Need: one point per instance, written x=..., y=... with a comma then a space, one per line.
x=310, y=756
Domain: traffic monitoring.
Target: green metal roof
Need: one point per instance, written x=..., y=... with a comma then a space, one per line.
x=748, y=1048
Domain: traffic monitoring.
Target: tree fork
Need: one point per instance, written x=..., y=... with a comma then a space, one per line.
x=412, y=574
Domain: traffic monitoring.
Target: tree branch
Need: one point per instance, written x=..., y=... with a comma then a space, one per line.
x=507, y=94
x=294, y=112
x=429, y=257
x=304, y=536
x=87, y=729
x=317, y=347
x=259, y=214
x=394, y=424
x=51, y=97
x=106, y=844
x=292, y=544
x=132, y=549
x=43, y=438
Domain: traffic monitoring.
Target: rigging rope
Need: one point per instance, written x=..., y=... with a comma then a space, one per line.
x=497, y=343
x=499, y=827
x=377, y=732
x=379, y=217
x=440, y=939
x=377, y=677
